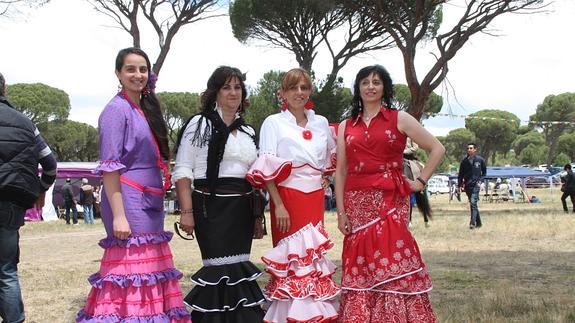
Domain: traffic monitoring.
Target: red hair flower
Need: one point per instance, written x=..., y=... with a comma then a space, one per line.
x=306, y=134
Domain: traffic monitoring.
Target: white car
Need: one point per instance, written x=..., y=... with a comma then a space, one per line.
x=438, y=184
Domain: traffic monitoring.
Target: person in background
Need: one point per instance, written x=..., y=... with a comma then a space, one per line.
x=472, y=170
x=67, y=192
x=97, y=199
x=383, y=278
x=568, y=188
x=137, y=281
x=216, y=149
x=87, y=201
x=22, y=148
x=296, y=154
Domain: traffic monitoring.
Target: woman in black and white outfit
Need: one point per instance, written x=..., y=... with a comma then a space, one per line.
x=215, y=150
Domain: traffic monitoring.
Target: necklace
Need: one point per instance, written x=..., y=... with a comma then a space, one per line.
x=367, y=118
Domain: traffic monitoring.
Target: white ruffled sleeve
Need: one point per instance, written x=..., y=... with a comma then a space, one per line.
x=268, y=167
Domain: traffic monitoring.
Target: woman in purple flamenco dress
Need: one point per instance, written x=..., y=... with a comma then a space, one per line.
x=137, y=281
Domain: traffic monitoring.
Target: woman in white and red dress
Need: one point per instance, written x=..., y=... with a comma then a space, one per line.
x=296, y=150
x=383, y=276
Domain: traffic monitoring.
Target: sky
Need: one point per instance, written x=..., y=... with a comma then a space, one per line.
x=68, y=45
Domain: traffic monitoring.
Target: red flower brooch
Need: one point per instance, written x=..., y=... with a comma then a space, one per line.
x=306, y=134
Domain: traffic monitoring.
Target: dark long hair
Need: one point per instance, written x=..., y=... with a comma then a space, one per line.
x=356, y=102
x=217, y=80
x=149, y=103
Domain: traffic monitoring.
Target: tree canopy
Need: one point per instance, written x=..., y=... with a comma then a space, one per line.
x=554, y=108
x=494, y=131
x=72, y=140
x=264, y=99
x=302, y=26
x=177, y=108
x=522, y=141
x=566, y=144
x=402, y=100
x=39, y=102
x=414, y=22
x=165, y=17
x=456, y=143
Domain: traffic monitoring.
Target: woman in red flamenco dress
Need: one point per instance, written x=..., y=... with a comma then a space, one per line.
x=296, y=150
x=383, y=276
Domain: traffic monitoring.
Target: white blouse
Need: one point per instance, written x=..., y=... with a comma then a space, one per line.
x=282, y=137
x=192, y=161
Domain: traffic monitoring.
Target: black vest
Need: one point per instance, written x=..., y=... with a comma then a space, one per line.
x=19, y=182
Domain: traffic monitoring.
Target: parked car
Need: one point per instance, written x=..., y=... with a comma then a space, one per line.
x=537, y=182
x=438, y=184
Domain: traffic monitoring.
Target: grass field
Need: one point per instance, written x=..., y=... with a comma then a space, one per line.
x=519, y=267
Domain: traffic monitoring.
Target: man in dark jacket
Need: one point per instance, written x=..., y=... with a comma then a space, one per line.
x=67, y=192
x=568, y=187
x=21, y=150
x=472, y=170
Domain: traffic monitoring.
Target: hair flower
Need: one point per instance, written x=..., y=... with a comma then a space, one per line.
x=307, y=134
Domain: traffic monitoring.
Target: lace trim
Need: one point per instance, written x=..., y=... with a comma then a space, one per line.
x=226, y=260
x=368, y=224
x=297, y=234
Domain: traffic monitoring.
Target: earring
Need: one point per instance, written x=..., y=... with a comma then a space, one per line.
x=284, y=104
x=309, y=104
x=119, y=87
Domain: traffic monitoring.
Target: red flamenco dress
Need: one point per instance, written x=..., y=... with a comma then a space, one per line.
x=383, y=276
x=301, y=288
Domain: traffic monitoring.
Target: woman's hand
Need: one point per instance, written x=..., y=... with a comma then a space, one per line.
x=121, y=227
x=416, y=186
x=343, y=223
x=258, y=228
x=187, y=223
x=282, y=218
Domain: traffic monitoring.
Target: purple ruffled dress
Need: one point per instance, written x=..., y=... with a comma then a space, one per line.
x=137, y=281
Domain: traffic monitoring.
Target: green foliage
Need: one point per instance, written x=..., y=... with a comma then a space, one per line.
x=71, y=140
x=532, y=137
x=495, y=133
x=264, y=99
x=533, y=155
x=332, y=103
x=40, y=102
x=555, y=108
x=177, y=108
x=566, y=145
x=562, y=159
x=523, y=130
x=296, y=25
x=455, y=143
x=402, y=100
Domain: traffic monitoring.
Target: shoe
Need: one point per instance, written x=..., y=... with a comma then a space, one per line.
x=478, y=226
x=427, y=225
x=471, y=227
x=76, y=223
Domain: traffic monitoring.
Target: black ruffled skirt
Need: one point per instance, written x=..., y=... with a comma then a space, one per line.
x=226, y=290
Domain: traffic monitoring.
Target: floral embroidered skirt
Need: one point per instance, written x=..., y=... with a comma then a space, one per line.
x=383, y=276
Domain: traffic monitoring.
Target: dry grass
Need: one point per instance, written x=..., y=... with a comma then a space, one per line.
x=520, y=267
